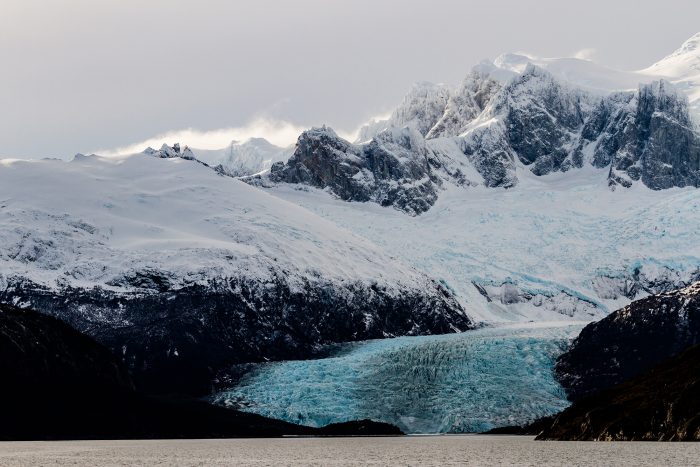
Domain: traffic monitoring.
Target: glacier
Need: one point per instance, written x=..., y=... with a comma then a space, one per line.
x=555, y=247
x=456, y=383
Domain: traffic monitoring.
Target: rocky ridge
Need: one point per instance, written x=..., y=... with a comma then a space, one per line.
x=501, y=120
x=630, y=341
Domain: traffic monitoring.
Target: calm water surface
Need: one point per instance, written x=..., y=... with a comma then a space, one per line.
x=413, y=450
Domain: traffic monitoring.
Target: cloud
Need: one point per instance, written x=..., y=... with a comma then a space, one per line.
x=586, y=54
x=278, y=132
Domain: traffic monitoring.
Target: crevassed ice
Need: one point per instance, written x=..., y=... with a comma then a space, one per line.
x=467, y=382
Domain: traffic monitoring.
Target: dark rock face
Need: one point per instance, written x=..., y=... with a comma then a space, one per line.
x=393, y=169
x=647, y=136
x=662, y=404
x=630, y=341
x=176, y=341
x=488, y=150
x=60, y=384
x=533, y=429
x=542, y=118
x=37, y=350
x=536, y=120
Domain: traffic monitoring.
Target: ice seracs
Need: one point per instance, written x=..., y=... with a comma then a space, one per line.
x=460, y=383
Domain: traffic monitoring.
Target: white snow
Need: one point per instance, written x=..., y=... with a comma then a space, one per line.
x=564, y=239
x=420, y=109
x=556, y=237
x=249, y=157
x=586, y=74
x=94, y=219
x=423, y=102
x=682, y=68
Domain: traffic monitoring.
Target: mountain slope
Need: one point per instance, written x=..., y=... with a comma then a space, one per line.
x=420, y=109
x=60, y=384
x=662, y=404
x=183, y=271
x=533, y=123
x=630, y=341
x=682, y=67
x=551, y=138
x=553, y=247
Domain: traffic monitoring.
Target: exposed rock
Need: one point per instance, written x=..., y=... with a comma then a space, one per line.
x=60, y=384
x=182, y=272
x=630, y=341
x=359, y=428
x=542, y=118
x=177, y=340
x=168, y=152
x=647, y=136
x=662, y=404
x=487, y=149
x=532, y=429
x=393, y=169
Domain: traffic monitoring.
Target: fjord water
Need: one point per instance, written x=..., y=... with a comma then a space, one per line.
x=456, y=383
x=410, y=450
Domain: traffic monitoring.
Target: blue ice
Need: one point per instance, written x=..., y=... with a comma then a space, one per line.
x=456, y=383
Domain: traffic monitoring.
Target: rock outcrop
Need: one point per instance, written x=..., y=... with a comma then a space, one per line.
x=182, y=272
x=394, y=169
x=60, y=384
x=662, y=404
x=496, y=128
x=630, y=341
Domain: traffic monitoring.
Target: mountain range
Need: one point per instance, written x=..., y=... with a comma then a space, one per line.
x=537, y=190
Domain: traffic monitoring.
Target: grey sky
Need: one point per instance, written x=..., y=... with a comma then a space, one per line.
x=78, y=76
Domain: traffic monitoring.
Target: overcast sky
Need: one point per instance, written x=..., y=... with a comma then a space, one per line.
x=81, y=76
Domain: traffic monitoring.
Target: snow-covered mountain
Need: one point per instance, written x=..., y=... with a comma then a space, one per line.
x=393, y=169
x=183, y=271
x=539, y=189
x=682, y=68
x=243, y=158
x=559, y=246
x=490, y=132
x=592, y=163
x=421, y=109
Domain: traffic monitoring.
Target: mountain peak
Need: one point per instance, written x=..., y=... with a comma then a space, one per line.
x=691, y=45
x=683, y=62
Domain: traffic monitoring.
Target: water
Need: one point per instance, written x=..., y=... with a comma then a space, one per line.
x=455, y=383
x=412, y=450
